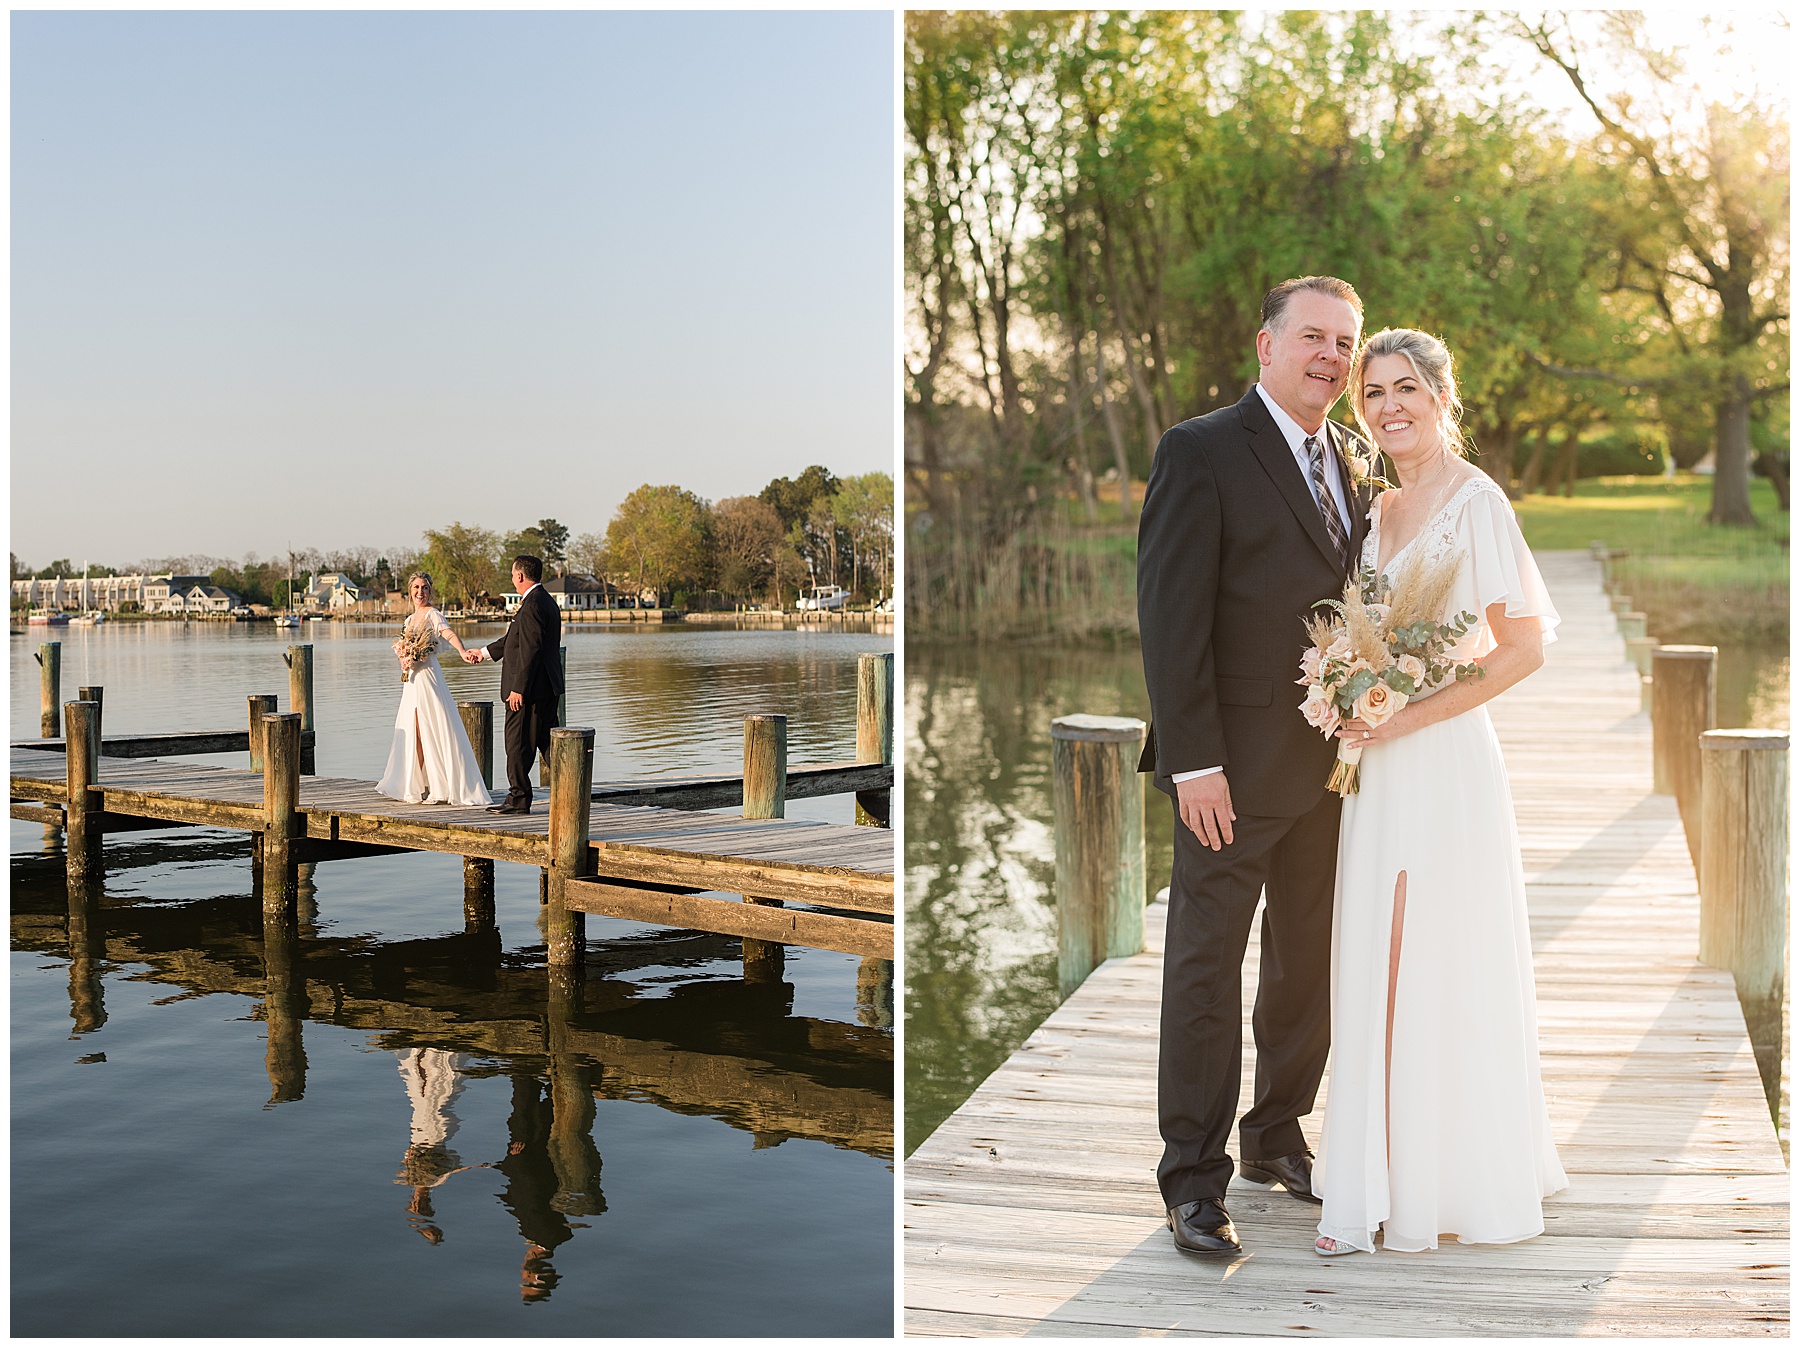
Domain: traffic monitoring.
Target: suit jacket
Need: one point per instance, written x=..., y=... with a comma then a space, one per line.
x=530, y=654
x=1232, y=555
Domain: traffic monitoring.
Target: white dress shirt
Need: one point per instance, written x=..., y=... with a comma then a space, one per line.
x=1295, y=436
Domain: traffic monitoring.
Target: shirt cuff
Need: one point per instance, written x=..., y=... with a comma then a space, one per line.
x=1189, y=776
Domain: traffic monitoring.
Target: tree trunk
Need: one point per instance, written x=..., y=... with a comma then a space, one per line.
x=1113, y=429
x=1731, y=456
x=1078, y=390
x=1534, y=466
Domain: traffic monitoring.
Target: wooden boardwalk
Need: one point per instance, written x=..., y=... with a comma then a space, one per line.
x=1033, y=1209
x=828, y=865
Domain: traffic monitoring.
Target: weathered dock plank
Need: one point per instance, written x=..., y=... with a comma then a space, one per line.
x=1033, y=1209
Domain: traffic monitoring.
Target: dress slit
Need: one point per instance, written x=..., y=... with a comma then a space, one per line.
x=1396, y=931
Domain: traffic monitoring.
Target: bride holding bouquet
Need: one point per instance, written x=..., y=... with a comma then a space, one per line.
x=1435, y=1122
x=431, y=761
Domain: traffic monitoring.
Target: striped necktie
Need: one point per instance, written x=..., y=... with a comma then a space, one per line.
x=1327, y=507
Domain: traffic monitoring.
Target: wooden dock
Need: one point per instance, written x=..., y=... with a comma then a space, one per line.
x=1033, y=1209
x=681, y=852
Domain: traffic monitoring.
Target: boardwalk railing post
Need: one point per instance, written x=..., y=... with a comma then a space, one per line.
x=478, y=721
x=260, y=705
x=765, y=797
x=81, y=754
x=96, y=695
x=300, y=698
x=1632, y=627
x=49, y=658
x=1683, y=705
x=281, y=803
x=1743, y=877
x=1099, y=805
x=571, y=792
x=874, y=729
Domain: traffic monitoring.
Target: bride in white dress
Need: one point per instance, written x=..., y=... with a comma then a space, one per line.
x=1435, y=1122
x=431, y=760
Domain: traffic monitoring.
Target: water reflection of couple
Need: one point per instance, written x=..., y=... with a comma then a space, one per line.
x=431, y=761
x=539, y=1196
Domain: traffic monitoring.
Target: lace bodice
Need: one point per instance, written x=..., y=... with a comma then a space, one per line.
x=1438, y=537
x=1496, y=568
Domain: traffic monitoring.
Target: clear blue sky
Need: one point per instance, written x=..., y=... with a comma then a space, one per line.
x=341, y=277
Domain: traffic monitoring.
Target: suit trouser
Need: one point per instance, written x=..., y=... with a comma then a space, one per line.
x=1212, y=898
x=527, y=735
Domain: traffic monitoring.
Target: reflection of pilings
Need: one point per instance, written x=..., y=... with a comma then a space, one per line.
x=87, y=949
x=306, y=897
x=573, y=1156
x=875, y=992
x=284, y=1005
x=478, y=894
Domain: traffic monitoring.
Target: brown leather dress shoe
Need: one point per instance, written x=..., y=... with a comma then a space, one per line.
x=1204, y=1227
x=1292, y=1172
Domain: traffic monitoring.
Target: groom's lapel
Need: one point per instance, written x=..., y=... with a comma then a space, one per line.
x=1271, y=450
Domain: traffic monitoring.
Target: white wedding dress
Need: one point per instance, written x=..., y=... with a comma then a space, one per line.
x=431, y=759
x=1452, y=1138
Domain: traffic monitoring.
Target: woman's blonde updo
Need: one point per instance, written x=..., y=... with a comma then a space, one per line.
x=1432, y=363
x=430, y=585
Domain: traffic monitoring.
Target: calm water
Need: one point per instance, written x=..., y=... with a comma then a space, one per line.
x=419, y=1140
x=980, y=855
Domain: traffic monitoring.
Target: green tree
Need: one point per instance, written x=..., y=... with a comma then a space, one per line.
x=465, y=561
x=864, y=506
x=747, y=533
x=1717, y=195
x=20, y=570
x=793, y=500
x=661, y=538
x=555, y=541
x=60, y=569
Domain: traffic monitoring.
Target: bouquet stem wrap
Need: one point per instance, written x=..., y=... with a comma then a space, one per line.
x=1346, y=773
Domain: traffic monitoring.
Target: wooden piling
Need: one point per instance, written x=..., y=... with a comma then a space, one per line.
x=281, y=802
x=1743, y=857
x=478, y=721
x=1621, y=603
x=571, y=787
x=875, y=730
x=260, y=705
x=562, y=714
x=49, y=658
x=765, y=797
x=478, y=894
x=1684, y=705
x=1637, y=650
x=81, y=750
x=97, y=695
x=1632, y=626
x=1099, y=812
x=1743, y=883
x=300, y=698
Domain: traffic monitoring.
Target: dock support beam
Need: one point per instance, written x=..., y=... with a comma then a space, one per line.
x=81, y=751
x=300, y=699
x=261, y=705
x=1683, y=706
x=1742, y=867
x=571, y=789
x=49, y=658
x=281, y=802
x=1099, y=805
x=765, y=797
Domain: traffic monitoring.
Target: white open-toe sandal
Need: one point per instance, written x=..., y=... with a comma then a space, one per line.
x=1328, y=1248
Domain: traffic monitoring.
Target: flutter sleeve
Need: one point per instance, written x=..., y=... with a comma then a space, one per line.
x=1502, y=567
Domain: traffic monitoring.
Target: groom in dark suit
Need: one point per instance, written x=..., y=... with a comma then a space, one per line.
x=1252, y=514
x=531, y=679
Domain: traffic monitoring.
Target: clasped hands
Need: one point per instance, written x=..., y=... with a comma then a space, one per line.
x=514, y=701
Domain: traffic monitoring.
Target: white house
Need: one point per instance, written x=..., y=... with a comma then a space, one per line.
x=102, y=592
x=333, y=590
x=575, y=592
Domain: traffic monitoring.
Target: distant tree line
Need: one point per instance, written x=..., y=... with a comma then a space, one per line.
x=813, y=529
